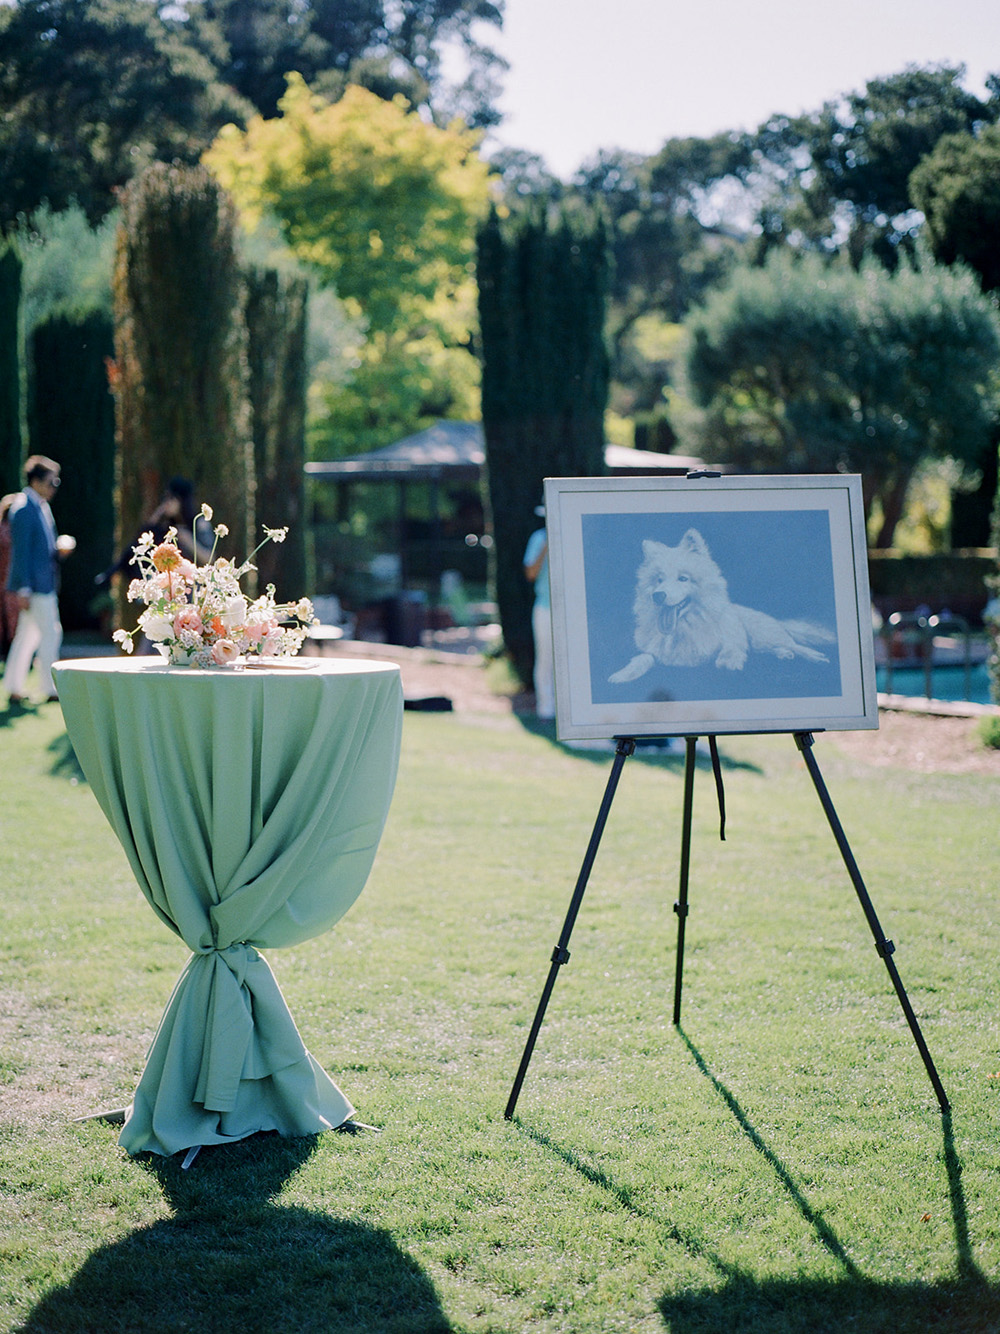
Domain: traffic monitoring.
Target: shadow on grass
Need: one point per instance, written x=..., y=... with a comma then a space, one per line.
x=12, y=712
x=965, y=1303
x=232, y=1259
x=803, y=1306
x=64, y=761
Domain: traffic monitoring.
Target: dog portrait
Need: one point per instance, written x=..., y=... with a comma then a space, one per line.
x=684, y=616
x=709, y=603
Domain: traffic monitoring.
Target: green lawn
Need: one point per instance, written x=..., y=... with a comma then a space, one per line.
x=779, y=1163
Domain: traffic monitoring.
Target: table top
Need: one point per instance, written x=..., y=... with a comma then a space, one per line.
x=266, y=668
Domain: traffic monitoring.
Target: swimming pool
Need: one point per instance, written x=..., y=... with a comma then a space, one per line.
x=947, y=682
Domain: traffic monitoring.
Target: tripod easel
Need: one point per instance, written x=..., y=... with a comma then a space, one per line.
x=560, y=955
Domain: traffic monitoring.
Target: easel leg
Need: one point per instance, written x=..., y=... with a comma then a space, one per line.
x=884, y=948
x=681, y=906
x=560, y=955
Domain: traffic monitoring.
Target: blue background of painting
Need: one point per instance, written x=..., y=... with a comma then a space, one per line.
x=776, y=561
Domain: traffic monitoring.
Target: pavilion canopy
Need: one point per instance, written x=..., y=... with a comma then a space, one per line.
x=455, y=451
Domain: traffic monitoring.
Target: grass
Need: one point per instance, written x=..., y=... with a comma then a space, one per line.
x=778, y=1163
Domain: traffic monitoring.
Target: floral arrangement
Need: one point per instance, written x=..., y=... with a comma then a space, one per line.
x=198, y=616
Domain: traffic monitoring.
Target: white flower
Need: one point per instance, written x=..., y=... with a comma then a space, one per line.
x=156, y=626
x=124, y=639
x=304, y=610
x=234, y=613
x=206, y=513
x=275, y=534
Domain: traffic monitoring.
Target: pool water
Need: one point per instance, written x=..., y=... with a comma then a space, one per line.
x=947, y=682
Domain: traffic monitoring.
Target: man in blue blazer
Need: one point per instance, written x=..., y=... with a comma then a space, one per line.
x=34, y=578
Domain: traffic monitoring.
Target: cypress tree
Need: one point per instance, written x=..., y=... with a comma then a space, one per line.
x=276, y=362
x=542, y=292
x=180, y=374
x=71, y=418
x=10, y=370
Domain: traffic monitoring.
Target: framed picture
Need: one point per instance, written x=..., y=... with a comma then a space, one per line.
x=687, y=606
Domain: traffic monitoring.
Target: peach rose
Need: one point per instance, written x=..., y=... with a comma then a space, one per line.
x=224, y=652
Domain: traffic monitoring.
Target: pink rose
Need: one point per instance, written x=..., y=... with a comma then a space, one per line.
x=257, y=630
x=224, y=652
x=188, y=619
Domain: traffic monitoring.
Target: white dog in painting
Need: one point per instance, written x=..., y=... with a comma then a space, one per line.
x=683, y=616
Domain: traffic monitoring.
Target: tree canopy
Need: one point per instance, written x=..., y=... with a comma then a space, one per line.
x=957, y=187
x=382, y=206
x=389, y=48
x=804, y=366
x=844, y=171
x=91, y=92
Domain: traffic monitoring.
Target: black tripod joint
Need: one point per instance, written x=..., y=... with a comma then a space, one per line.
x=883, y=948
x=681, y=909
x=560, y=954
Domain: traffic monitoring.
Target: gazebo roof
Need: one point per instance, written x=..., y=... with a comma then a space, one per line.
x=456, y=451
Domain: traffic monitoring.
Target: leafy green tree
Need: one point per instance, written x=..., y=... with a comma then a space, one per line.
x=67, y=265
x=91, y=91
x=398, y=383
x=542, y=294
x=524, y=178
x=71, y=417
x=389, y=48
x=851, y=161
x=265, y=40
x=957, y=188
x=804, y=366
x=180, y=373
x=420, y=31
x=382, y=206
x=10, y=369
x=667, y=245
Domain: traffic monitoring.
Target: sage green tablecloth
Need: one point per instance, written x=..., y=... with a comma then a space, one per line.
x=250, y=805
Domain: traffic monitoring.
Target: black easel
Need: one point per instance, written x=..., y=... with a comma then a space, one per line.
x=560, y=955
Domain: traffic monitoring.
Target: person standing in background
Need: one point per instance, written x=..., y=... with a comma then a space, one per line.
x=536, y=569
x=34, y=579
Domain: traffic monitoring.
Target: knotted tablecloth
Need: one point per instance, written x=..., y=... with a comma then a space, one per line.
x=250, y=804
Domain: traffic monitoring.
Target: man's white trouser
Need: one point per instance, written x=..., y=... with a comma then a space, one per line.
x=38, y=630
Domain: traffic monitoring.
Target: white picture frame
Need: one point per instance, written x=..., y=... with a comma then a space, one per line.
x=693, y=606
